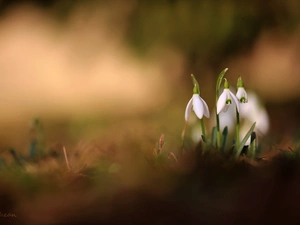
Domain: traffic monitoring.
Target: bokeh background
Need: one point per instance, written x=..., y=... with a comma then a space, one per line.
x=89, y=68
x=105, y=78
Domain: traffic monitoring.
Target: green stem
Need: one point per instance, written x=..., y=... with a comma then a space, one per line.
x=237, y=140
x=218, y=131
x=218, y=85
x=218, y=120
x=202, y=128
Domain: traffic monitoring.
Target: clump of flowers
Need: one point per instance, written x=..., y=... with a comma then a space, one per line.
x=224, y=101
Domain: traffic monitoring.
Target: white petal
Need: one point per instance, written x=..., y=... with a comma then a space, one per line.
x=198, y=106
x=241, y=93
x=206, y=110
x=236, y=101
x=221, y=101
x=188, y=110
x=246, y=96
x=227, y=119
x=252, y=108
x=226, y=107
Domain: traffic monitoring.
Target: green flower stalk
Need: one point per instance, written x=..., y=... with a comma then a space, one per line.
x=237, y=130
x=243, y=98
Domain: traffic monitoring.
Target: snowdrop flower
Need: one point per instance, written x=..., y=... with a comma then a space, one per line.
x=196, y=103
x=225, y=99
x=241, y=93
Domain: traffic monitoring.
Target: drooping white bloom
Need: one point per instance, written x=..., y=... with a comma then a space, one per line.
x=242, y=95
x=198, y=105
x=225, y=100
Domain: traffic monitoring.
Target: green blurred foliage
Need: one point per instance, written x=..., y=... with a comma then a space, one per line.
x=208, y=30
x=205, y=31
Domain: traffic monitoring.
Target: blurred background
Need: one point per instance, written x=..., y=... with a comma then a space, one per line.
x=105, y=78
x=87, y=67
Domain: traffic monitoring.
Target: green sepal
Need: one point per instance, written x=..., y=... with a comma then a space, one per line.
x=239, y=83
x=196, y=89
x=226, y=83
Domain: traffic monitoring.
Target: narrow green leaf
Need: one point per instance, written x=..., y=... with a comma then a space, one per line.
x=214, y=137
x=220, y=77
x=241, y=146
x=224, y=138
x=253, y=137
x=252, y=148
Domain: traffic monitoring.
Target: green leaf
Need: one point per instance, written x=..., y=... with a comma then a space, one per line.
x=241, y=146
x=224, y=138
x=214, y=137
x=220, y=78
x=252, y=148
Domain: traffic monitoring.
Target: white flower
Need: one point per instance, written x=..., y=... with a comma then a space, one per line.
x=225, y=100
x=254, y=111
x=199, y=106
x=242, y=95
